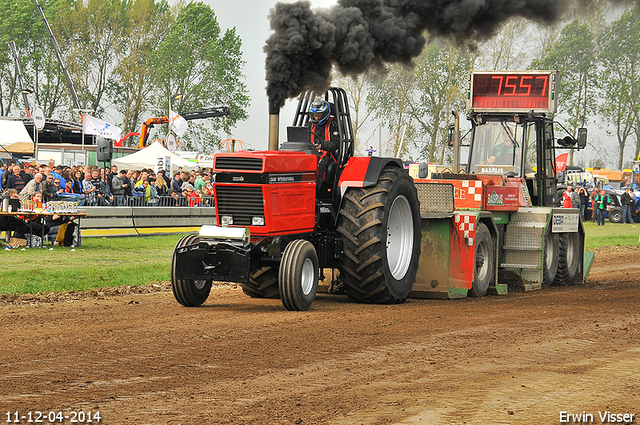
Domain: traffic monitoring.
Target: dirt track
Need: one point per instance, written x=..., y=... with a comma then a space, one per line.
x=522, y=358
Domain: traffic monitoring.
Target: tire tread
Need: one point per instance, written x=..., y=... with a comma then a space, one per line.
x=360, y=223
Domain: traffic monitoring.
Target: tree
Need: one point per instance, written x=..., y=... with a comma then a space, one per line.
x=420, y=99
x=148, y=22
x=442, y=74
x=389, y=98
x=509, y=49
x=17, y=15
x=620, y=78
x=356, y=88
x=203, y=64
x=127, y=56
x=575, y=57
x=92, y=33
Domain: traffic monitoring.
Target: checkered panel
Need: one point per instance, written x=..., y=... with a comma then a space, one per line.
x=474, y=188
x=466, y=224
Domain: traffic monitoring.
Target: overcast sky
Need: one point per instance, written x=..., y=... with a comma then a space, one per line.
x=250, y=18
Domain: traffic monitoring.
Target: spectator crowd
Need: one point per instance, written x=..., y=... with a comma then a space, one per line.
x=95, y=186
x=600, y=202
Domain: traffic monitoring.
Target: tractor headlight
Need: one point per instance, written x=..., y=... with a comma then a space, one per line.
x=226, y=220
x=257, y=220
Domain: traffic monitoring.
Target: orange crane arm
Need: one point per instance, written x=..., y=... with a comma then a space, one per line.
x=144, y=131
x=210, y=112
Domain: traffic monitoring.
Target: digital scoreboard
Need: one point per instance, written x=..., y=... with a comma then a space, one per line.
x=513, y=91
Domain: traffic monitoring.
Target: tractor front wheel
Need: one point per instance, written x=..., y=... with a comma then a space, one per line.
x=188, y=292
x=298, y=275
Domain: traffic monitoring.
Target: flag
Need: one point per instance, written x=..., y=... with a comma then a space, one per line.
x=561, y=161
x=177, y=123
x=93, y=125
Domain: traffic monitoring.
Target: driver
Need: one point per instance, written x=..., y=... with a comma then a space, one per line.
x=502, y=153
x=324, y=135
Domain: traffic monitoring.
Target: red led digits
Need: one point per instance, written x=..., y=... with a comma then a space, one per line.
x=511, y=86
x=511, y=91
x=499, y=78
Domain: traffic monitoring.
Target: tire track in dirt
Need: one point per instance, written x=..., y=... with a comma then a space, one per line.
x=141, y=358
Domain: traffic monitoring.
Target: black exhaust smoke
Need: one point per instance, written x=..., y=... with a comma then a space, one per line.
x=357, y=34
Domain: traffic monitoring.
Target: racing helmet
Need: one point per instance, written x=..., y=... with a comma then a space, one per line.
x=319, y=111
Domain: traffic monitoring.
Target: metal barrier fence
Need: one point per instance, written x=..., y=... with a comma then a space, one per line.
x=137, y=220
x=163, y=201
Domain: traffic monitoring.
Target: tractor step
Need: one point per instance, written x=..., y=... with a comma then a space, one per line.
x=521, y=248
x=520, y=266
x=524, y=243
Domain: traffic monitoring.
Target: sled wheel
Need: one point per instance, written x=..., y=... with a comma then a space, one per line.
x=298, y=275
x=568, y=258
x=188, y=292
x=485, y=262
x=550, y=260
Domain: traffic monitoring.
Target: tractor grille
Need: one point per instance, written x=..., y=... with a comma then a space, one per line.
x=238, y=163
x=241, y=202
x=435, y=197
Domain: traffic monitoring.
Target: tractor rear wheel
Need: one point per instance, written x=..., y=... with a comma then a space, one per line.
x=263, y=283
x=550, y=260
x=380, y=226
x=188, y=292
x=568, y=258
x=298, y=275
x=485, y=262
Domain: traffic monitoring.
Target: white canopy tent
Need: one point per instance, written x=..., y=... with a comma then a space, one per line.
x=149, y=157
x=15, y=137
x=14, y=132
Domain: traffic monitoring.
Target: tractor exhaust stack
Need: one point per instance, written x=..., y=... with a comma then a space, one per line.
x=274, y=124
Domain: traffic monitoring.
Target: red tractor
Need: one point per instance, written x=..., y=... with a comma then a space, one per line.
x=474, y=230
x=276, y=231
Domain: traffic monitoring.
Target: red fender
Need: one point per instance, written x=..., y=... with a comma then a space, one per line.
x=363, y=171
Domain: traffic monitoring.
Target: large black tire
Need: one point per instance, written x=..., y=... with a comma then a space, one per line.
x=188, y=292
x=615, y=215
x=298, y=275
x=485, y=262
x=380, y=226
x=550, y=260
x=568, y=258
x=263, y=283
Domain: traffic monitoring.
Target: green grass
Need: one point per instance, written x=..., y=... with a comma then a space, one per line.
x=611, y=234
x=108, y=262
x=99, y=262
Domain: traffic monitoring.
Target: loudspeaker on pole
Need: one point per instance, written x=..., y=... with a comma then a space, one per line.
x=104, y=149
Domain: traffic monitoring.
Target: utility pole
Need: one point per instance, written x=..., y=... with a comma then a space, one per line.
x=23, y=89
x=380, y=139
x=54, y=43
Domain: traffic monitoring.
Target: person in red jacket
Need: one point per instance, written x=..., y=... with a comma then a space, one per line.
x=566, y=198
x=193, y=197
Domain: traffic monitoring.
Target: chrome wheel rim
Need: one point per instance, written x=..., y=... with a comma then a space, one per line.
x=483, y=250
x=308, y=276
x=399, y=246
